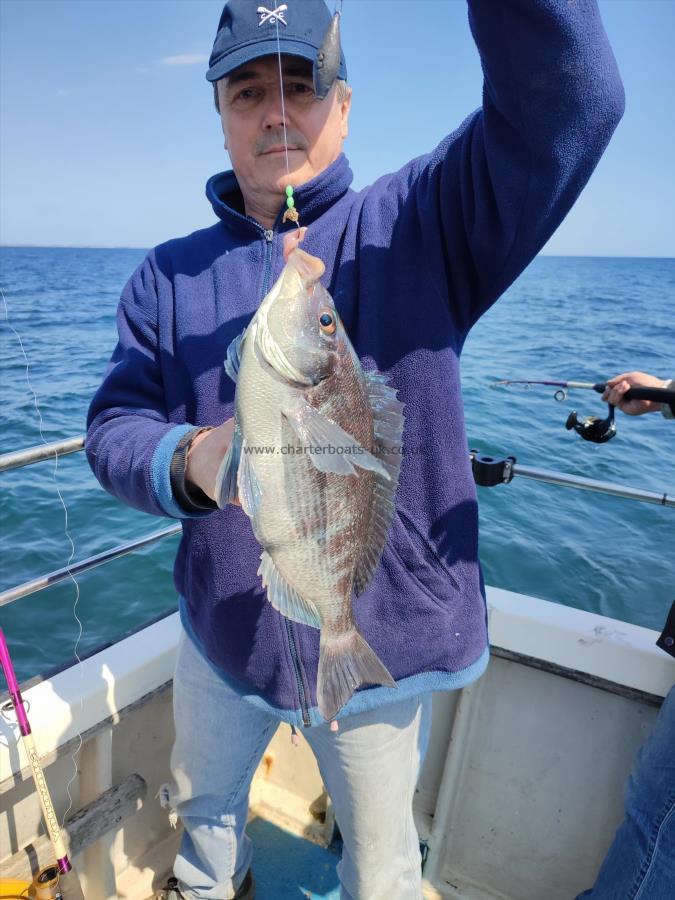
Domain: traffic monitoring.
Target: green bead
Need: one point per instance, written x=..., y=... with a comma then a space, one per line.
x=290, y=202
x=289, y=191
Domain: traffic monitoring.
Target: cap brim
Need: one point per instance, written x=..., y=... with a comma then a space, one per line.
x=241, y=55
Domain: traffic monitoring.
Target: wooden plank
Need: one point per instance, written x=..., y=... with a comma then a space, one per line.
x=105, y=814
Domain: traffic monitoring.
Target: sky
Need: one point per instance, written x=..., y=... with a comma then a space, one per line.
x=108, y=131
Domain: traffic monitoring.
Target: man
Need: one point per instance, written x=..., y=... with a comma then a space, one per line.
x=412, y=262
x=640, y=863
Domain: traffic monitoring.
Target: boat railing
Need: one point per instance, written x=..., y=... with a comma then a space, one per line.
x=19, y=458
x=488, y=471
x=31, y=455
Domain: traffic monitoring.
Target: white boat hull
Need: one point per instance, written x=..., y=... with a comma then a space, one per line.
x=519, y=797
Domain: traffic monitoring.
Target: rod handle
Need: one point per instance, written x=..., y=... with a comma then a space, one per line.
x=658, y=395
x=51, y=822
x=655, y=394
x=71, y=889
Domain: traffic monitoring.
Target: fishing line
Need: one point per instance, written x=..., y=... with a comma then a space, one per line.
x=69, y=537
x=291, y=213
x=283, y=107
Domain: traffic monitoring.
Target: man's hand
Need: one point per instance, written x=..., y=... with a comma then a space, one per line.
x=617, y=387
x=205, y=455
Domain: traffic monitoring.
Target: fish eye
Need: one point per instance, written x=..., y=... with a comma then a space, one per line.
x=327, y=322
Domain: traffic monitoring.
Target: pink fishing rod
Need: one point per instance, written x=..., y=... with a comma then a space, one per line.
x=69, y=883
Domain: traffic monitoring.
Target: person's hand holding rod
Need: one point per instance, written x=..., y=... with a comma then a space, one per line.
x=621, y=384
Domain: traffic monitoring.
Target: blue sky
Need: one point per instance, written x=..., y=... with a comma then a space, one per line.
x=108, y=133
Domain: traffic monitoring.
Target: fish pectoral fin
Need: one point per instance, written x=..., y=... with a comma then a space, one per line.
x=226, y=478
x=233, y=357
x=250, y=492
x=284, y=598
x=329, y=447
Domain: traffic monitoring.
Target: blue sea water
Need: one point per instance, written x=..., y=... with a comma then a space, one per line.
x=564, y=319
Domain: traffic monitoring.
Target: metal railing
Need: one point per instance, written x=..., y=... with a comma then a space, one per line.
x=506, y=470
x=31, y=455
x=490, y=471
x=77, y=568
x=27, y=457
x=590, y=484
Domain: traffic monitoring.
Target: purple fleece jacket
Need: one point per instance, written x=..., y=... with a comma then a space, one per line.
x=412, y=262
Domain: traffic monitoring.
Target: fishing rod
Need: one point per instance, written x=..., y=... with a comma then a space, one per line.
x=59, y=880
x=657, y=395
x=62, y=877
x=593, y=428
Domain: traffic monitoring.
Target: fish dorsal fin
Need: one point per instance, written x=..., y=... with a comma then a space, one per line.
x=233, y=357
x=388, y=425
x=284, y=598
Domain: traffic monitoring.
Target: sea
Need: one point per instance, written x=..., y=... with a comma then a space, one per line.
x=581, y=319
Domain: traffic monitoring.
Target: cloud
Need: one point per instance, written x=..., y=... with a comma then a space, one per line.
x=62, y=92
x=184, y=59
x=141, y=70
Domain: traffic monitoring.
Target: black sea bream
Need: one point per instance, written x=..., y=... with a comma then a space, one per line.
x=315, y=462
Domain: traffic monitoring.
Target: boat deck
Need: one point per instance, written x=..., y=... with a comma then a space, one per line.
x=289, y=867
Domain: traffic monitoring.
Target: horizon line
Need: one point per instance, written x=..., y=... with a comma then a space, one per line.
x=150, y=247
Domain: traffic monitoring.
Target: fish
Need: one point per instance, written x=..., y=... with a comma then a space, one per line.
x=327, y=61
x=314, y=462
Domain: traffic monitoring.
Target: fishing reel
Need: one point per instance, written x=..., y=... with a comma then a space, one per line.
x=593, y=428
x=46, y=884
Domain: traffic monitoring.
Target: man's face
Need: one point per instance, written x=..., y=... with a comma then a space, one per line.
x=253, y=124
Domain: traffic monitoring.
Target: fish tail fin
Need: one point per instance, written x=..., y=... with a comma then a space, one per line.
x=346, y=662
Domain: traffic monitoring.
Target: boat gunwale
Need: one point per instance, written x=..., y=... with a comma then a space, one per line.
x=571, y=643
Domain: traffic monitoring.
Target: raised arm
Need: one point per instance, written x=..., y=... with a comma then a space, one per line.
x=493, y=192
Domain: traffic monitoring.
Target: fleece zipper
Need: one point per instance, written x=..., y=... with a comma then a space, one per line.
x=298, y=677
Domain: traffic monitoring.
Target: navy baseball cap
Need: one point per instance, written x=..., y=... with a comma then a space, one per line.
x=248, y=29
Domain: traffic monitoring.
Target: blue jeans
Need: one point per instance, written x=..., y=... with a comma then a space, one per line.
x=370, y=768
x=640, y=864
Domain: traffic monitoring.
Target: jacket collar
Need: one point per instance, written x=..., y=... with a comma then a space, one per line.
x=312, y=199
